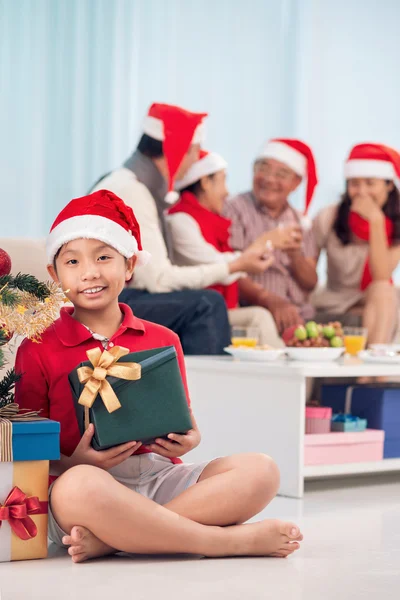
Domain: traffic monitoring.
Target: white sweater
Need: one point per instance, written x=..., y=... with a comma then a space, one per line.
x=190, y=247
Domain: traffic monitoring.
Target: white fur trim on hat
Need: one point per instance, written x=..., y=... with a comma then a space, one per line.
x=208, y=165
x=94, y=227
x=287, y=155
x=381, y=169
x=155, y=129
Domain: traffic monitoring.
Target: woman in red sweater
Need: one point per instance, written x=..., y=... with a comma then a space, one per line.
x=201, y=235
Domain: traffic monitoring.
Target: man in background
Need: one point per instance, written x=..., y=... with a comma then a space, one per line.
x=285, y=287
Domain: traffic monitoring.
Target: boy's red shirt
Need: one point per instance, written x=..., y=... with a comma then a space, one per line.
x=45, y=366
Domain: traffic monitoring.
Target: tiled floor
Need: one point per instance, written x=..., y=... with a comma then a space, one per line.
x=351, y=551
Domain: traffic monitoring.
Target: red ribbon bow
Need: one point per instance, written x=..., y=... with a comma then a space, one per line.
x=16, y=510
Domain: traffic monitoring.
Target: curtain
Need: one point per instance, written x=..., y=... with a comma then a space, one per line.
x=77, y=77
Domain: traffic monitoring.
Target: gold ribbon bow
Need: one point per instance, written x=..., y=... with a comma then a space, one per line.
x=9, y=413
x=105, y=364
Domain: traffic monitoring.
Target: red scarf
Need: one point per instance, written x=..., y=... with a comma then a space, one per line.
x=215, y=230
x=360, y=228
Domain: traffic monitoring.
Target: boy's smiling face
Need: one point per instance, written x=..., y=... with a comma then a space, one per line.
x=93, y=273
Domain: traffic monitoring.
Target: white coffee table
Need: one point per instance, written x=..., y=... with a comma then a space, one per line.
x=259, y=407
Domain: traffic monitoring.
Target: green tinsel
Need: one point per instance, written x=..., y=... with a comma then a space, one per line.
x=4, y=339
x=8, y=297
x=23, y=283
x=29, y=283
x=7, y=385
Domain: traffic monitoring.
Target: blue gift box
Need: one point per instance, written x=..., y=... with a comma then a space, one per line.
x=346, y=423
x=36, y=440
x=379, y=404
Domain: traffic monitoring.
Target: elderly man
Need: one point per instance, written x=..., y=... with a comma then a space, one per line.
x=284, y=289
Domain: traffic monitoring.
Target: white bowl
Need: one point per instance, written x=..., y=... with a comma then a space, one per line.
x=314, y=354
x=254, y=355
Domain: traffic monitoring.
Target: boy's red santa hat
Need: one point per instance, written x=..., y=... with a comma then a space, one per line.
x=99, y=216
x=296, y=155
x=372, y=160
x=209, y=163
x=177, y=129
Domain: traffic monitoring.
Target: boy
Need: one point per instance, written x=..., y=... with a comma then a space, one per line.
x=131, y=498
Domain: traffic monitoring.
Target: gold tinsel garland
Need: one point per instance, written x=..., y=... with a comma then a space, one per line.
x=31, y=316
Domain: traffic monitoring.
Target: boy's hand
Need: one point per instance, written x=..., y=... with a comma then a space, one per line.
x=104, y=459
x=176, y=445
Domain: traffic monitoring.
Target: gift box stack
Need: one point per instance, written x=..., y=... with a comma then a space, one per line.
x=26, y=447
x=339, y=438
x=378, y=404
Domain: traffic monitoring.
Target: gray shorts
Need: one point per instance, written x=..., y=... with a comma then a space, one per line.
x=150, y=475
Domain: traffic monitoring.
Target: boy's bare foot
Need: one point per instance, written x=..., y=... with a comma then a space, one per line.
x=83, y=545
x=268, y=538
x=265, y=538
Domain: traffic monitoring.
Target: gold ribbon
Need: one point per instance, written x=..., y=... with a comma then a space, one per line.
x=105, y=365
x=9, y=413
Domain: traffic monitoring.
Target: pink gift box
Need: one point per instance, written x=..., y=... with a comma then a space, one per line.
x=338, y=448
x=318, y=419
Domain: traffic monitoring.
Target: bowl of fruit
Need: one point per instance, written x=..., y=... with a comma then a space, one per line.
x=314, y=342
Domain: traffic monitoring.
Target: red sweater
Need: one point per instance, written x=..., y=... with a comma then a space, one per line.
x=215, y=230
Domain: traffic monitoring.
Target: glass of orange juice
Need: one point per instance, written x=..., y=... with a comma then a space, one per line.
x=355, y=339
x=244, y=336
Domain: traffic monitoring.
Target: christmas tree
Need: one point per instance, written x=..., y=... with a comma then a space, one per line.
x=27, y=308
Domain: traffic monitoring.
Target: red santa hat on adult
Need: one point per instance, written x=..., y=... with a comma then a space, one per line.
x=99, y=216
x=297, y=156
x=372, y=160
x=209, y=163
x=177, y=129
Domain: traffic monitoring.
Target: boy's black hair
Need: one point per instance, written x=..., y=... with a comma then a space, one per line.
x=150, y=147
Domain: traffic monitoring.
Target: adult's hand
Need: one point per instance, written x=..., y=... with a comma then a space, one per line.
x=366, y=207
x=285, y=315
x=286, y=238
x=253, y=261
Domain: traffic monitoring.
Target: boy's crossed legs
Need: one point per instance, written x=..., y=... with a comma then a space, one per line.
x=201, y=520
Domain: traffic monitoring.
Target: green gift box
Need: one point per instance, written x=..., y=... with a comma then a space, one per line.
x=151, y=406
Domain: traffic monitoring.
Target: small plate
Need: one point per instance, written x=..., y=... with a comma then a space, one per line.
x=314, y=354
x=385, y=359
x=385, y=347
x=254, y=355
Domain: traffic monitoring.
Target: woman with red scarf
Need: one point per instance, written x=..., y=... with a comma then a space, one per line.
x=361, y=237
x=200, y=235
